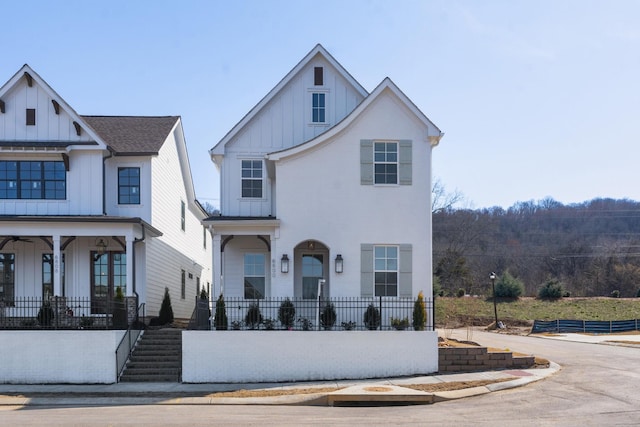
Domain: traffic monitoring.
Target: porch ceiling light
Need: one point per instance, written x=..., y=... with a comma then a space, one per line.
x=284, y=263
x=339, y=264
x=101, y=244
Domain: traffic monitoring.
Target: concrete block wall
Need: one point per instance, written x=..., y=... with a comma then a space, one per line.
x=56, y=357
x=275, y=356
x=465, y=359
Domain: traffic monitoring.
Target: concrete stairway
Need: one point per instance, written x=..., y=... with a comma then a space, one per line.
x=156, y=358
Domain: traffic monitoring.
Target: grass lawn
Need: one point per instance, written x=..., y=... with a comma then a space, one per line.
x=465, y=311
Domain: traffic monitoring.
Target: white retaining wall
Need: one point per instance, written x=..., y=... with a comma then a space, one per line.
x=41, y=357
x=274, y=356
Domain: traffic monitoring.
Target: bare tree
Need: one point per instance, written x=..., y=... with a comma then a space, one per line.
x=441, y=200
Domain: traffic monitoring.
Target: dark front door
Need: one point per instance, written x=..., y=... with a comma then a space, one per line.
x=108, y=272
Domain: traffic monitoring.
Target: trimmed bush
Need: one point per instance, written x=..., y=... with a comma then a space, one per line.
x=166, y=312
x=551, y=290
x=221, y=321
x=372, y=317
x=615, y=294
x=328, y=316
x=509, y=287
x=460, y=293
x=253, y=319
x=287, y=313
x=399, y=324
x=419, y=313
x=45, y=314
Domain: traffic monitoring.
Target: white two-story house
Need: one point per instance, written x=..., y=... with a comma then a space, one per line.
x=89, y=204
x=323, y=180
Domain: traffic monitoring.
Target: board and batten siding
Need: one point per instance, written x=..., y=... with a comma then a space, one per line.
x=49, y=125
x=176, y=249
x=284, y=122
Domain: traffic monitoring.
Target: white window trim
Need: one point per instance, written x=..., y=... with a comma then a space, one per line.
x=264, y=275
x=397, y=270
x=326, y=92
x=262, y=179
x=397, y=162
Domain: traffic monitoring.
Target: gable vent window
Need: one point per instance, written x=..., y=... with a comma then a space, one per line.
x=318, y=76
x=31, y=116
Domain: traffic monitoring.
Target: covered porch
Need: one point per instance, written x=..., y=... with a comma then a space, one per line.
x=65, y=271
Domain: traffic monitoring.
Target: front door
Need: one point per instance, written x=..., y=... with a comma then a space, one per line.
x=108, y=271
x=312, y=271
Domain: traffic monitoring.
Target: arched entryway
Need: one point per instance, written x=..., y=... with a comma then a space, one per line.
x=311, y=264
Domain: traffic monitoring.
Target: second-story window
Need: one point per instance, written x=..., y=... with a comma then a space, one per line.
x=385, y=158
x=33, y=180
x=252, y=178
x=129, y=186
x=318, y=107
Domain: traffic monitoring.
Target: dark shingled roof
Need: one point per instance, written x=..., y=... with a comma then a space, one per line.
x=132, y=135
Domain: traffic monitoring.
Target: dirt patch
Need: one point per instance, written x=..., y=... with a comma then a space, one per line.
x=275, y=392
x=456, y=385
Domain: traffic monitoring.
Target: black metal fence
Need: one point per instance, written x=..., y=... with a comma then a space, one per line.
x=67, y=313
x=328, y=314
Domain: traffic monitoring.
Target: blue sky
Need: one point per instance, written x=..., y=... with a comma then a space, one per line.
x=536, y=98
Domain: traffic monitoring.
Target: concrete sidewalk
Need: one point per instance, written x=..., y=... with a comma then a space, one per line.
x=366, y=392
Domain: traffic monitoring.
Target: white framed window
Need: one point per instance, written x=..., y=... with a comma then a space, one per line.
x=385, y=162
x=318, y=107
x=252, y=179
x=385, y=266
x=254, y=276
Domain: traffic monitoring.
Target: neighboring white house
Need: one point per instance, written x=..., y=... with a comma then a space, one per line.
x=92, y=203
x=323, y=180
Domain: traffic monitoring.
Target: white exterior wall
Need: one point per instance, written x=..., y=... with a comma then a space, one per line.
x=84, y=187
x=283, y=123
x=143, y=210
x=49, y=125
x=53, y=357
x=341, y=213
x=176, y=249
x=258, y=356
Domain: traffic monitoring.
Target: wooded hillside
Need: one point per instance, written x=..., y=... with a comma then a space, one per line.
x=593, y=248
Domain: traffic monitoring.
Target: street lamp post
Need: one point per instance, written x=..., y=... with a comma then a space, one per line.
x=492, y=276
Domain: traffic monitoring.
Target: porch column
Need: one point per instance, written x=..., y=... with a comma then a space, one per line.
x=217, y=266
x=57, y=270
x=130, y=261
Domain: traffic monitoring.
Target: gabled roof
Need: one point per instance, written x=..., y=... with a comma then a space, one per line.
x=27, y=72
x=317, y=50
x=434, y=133
x=133, y=135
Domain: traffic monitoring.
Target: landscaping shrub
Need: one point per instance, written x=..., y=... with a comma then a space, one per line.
x=328, y=316
x=287, y=313
x=45, y=314
x=221, y=321
x=400, y=324
x=253, y=319
x=166, y=312
x=615, y=294
x=419, y=313
x=509, y=287
x=372, y=317
x=551, y=290
x=460, y=293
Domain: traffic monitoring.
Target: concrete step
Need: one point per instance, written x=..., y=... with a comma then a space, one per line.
x=157, y=357
x=153, y=365
x=151, y=378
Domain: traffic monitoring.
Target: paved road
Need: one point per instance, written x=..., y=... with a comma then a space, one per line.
x=598, y=386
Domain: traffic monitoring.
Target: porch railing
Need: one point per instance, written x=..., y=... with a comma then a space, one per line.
x=381, y=313
x=66, y=313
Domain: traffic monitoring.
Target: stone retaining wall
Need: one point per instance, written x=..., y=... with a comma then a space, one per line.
x=465, y=359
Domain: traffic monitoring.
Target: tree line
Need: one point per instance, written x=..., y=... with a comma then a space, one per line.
x=591, y=248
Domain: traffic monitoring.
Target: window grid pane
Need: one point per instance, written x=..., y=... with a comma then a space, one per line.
x=385, y=155
x=129, y=186
x=252, y=178
x=254, y=276
x=386, y=271
x=33, y=180
x=318, y=108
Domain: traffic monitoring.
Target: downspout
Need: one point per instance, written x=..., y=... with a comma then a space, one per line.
x=104, y=182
